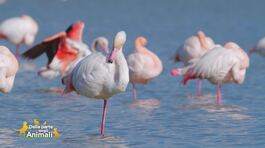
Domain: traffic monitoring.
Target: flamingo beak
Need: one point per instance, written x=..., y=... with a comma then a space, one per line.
x=112, y=55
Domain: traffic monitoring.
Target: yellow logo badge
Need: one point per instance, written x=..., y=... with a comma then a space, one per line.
x=36, y=130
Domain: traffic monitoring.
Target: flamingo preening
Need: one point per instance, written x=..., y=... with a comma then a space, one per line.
x=220, y=65
x=144, y=66
x=101, y=77
x=194, y=47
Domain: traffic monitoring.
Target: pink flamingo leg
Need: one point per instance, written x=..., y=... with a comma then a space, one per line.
x=103, y=117
x=17, y=51
x=199, y=87
x=219, y=96
x=134, y=92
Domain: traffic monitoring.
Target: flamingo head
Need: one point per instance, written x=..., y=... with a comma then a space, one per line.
x=119, y=41
x=103, y=43
x=75, y=31
x=140, y=41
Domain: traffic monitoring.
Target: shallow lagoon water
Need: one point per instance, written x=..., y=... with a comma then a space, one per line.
x=182, y=119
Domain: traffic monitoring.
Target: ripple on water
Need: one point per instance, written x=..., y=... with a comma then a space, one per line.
x=208, y=103
x=145, y=103
x=7, y=137
x=97, y=140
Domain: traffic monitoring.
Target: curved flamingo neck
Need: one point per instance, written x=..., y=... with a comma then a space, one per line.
x=202, y=38
x=139, y=46
x=100, y=43
x=94, y=45
x=121, y=70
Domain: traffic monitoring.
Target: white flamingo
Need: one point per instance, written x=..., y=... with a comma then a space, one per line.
x=220, y=65
x=8, y=69
x=19, y=30
x=99, y=77
x=192, y=48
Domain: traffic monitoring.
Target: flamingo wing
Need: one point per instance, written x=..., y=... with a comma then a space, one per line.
x=93, y=77
x=214, y=65
x=140, y=66
x=49, y=46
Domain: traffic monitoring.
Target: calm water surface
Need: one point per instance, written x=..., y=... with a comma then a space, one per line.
x=181, y=120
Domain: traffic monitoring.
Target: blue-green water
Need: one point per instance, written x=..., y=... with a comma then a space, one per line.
x=182, y=120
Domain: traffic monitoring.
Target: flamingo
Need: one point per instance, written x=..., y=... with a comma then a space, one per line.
x=193, y=47
x=8, y=69
x=144, y=66
x=220, y=65
x=19, y=30
x=60, y=54
x=97, y=76
x=259, y=48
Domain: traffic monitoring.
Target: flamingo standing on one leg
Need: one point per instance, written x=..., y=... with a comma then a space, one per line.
x=259, y=48
x=60, y=54
x=220, y=65
x=19, y=30
x=99, y=77
x=193, y=48
x=8, y=69
x=144, y=66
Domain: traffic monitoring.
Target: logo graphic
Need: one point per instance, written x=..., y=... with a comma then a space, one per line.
x=38, y=131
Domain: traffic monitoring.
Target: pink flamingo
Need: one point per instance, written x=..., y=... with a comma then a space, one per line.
x=58, y=50
x=97, y=76
x=19, y=30
x=144, y=66
x=8, y=69
x=220, y=65
x=194, y=47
